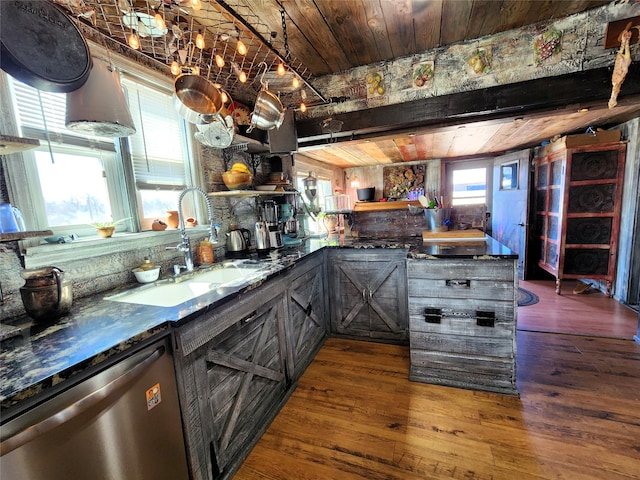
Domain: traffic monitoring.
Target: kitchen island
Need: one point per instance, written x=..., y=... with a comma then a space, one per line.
x=229, y=395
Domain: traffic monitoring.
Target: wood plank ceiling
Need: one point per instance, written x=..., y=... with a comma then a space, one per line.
x=326, y=37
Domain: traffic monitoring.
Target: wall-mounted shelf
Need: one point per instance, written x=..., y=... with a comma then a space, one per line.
x=9, y=144
x=10, y=237
x=252, y=193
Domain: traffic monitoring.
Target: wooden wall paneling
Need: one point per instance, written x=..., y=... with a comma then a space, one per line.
x=399, y=19
x=456, y=16
x=427, y=22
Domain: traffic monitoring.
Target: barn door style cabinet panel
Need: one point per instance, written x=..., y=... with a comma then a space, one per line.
x=307, y=326
x=462, y=322
x=367, y=293
x=239, y=362
x=578, y=195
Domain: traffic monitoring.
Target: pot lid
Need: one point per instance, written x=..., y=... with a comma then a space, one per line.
x=42, y=47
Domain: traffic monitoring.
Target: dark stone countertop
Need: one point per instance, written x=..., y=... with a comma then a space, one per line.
x=42, y=357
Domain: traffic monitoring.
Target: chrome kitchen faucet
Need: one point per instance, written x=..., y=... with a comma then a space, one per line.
x=185, y=245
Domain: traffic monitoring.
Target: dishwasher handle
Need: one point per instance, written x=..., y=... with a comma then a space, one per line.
x=79, y=407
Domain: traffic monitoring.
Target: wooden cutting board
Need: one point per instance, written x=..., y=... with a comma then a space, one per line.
x=458, y=235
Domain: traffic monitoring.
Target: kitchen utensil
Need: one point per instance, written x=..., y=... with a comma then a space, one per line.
x=268, y=112
x=146, y=276
x=196, y=99
x=237, y=180
x=217, y=134
x=99, y=106
x=238, y=240
x=42, y=47
x=262, y=236
x=424, y=201
x=46, y=294
x=366, y=194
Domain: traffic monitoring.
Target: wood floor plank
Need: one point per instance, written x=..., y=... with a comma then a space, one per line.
x=355, y=415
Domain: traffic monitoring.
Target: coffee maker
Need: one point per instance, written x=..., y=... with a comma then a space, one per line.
x=270, y=217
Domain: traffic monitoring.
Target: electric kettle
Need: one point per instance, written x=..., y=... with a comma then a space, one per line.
x=262, y=236
x=238, y=240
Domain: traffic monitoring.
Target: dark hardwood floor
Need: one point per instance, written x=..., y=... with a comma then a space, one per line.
x=355, y=415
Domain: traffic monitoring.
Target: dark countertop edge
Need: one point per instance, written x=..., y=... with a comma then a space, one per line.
x=172, y=317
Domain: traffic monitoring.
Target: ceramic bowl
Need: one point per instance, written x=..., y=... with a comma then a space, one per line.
x=146, y=276
x=266, y=188
x=237, y=181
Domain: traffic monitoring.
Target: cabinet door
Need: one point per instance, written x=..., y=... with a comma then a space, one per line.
x=242, y=377
x=368, y=294
x=307, y=325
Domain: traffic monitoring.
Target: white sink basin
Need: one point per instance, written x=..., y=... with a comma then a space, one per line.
x=172, y=294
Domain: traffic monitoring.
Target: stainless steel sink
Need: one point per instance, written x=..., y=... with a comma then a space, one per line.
x=169, y=294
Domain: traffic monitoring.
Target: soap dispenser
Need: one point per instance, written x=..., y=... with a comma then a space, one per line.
x=147, y=264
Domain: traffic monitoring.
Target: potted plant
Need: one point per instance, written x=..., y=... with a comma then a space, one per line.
x=106, y=229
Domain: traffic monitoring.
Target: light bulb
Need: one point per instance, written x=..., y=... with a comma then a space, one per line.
x=200, y=41
x=134, y=42
x=242, y=49
x=195, y=70
x=224, y=97
x=219, y=61
x=281, y=69
x=196, y=4
x=160, y=25
x=175, y=68
x=295, y=82
x=243, y=77
x=303, y=107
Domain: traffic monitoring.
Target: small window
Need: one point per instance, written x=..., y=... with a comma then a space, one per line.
x=509, y=176
x=469, y=186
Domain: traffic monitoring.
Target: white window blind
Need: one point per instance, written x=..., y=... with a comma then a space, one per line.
x=41, y=115
x=157, y=148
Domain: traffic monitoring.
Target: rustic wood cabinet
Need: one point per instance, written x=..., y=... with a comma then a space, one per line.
x=462, y=322
x=239, y=380
x=367, y=293
x=578, y=195
x=307, y=324
x=239, y=362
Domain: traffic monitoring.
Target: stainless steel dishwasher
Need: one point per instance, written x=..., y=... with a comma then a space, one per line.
x=122, y=423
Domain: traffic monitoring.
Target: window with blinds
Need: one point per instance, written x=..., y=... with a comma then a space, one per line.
x=158, y=148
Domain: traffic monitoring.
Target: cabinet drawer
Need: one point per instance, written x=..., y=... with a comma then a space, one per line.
x=473, y=324
x=491, y=347
x=494, y=375
x=457, y=287
x=490, y=270
x=451, y=306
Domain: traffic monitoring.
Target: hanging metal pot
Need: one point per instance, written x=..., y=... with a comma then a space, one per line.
x=268, y=112
x=196, y=99
x=42, y=47
x=99, y=107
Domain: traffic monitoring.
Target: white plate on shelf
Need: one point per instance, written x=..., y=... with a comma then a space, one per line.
x=266, y=188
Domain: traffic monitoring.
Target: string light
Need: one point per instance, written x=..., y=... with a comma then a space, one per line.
x=281, y=70
x=243, y=77
x=196, y=4
x=175, y=68
x=303, y=107
x=160, y=23
x=295, y=82
x=133, y=41
x=195, y=70
x=242, y=49
x=219, y=61
x=200, y=41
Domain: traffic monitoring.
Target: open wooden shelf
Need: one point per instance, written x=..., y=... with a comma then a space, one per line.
x=10, y=237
